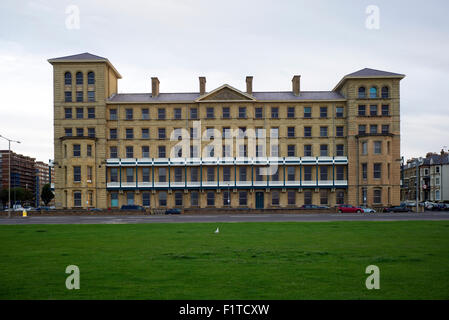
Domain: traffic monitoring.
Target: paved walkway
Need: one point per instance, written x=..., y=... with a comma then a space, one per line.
x=225, y=218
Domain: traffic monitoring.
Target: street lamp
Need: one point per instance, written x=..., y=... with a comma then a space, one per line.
x=417, y=163
x=9, y=171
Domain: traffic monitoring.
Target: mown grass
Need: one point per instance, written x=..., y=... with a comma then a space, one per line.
x=243, y=261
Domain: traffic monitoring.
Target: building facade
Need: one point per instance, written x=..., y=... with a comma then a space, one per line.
x=22, y=171
x=225, y=147
x=433, y=176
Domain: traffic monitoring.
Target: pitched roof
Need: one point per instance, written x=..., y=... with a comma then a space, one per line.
x=367, y=72
x=81, y=56
x=192, y=96
x=436, y=159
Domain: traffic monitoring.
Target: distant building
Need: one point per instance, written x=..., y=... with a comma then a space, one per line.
x=433, y=177
x=22, y=171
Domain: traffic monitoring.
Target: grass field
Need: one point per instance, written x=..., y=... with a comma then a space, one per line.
x=243, y=261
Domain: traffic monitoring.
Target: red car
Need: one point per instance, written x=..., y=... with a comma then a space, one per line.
x=346, y=208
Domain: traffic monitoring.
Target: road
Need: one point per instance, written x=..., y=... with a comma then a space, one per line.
x=232, y=218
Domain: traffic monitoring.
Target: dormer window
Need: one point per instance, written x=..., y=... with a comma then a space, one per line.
x=362, y=92
x=373, y=92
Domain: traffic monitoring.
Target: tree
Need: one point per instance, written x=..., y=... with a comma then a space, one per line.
x=47, y=195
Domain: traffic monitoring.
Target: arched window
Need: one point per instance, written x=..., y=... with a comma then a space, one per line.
x=373, y=92
x=91, y=78
x=385, y=93
x=362, y=92
x=79, y=78
x=68, y=78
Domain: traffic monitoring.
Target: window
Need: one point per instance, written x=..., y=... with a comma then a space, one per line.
x=324, y=196
x=307, y=131
x=145, y=151
x=362, y=129
x=226, y=174
x=339, y=131
x=91, y=113
x=373, y=92
x=209, y=132
x=323, y=131
x=385, y=93
x=364, y=148
x=340, y=150
x=210, y=113
x=323, y=173
x=307, y=150
x=275, y=150
x=385, y=129
x=178, y=113
x=68, y=132
x=193, y=151
x=89, y=150
x=385, y=110
x=79, y=78
x=308, y=173
x=79, y=113
x=362, y=92
x=79, y=96
x=89, y=173
x=211, y=198
x=291, y=198
x=129, y=114
x=323, y=112
x=274, y=198
x=145, y=133
x=377, y=170
x=307, y=112
x=339, y=112
x=243, y=198
x=162, y=199
x=340, y=197
x=194, y=174
x=291, y=112
x=178, y=174
x=275, y=175
x=274, y=132
x=90, y=78
x=226, y=113
x=68, y=113
x=210, y=151
x=113, y=152
x=340, y=175
x=178, y=199
x=242, y=176
x=243, y=150
x=194, y=195
x=258, y=113
x=77, y=150
x=323, y=150
x=91, y=132
x=307, y=197
x=145, y=114
x=161, y=152
x=193, y=113
x=377, y=147
x=129, y=175
x=130, y=152
x=129, y=133
x=113, y=175
x=226, y=198
x=274, y=112
x=373, y=110
x=364, y=171
x=68, y=96
x=77, y=199
x=113, y=114
x=362, y=110
x=242, y=112
x=291, y=174
x=161, y=133
x=373, y=129
x=146, y=199
x=145, y=174
x=161, y=114
x=77, y=174
x=437, y=195
x=162, y=174
x=226, y=132
x=242, y=132
x=377, y=198
x=291, y=132
x=291, y=150
x=210, y=174
x=113, y=133
x=259, y=176
x=68, y=79
x=91, y=96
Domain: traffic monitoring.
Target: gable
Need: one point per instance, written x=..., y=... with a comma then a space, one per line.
x=226, y=93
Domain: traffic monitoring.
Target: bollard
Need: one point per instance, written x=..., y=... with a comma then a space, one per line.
x=24, y=213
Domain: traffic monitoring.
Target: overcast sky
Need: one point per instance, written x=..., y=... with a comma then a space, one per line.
x=225, y=41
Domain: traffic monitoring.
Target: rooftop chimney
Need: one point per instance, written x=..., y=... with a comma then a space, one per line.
x=249, y=85
x=154, y=87
x=202, y=85
x=296, y=85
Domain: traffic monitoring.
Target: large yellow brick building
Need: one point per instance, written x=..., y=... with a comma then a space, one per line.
x=224, y=147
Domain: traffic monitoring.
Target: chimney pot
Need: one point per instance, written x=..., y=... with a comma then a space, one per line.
x=249, y=85
x=202, y=85
x=154, y=87
x=296, y=85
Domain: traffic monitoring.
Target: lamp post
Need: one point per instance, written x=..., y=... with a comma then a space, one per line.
x=9, y=172
x=417, y=163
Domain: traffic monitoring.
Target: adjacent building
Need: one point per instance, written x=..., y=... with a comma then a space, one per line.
x=22, y=171
x=224, y=147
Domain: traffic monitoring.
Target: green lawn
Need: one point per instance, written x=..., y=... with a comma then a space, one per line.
x=243, y=261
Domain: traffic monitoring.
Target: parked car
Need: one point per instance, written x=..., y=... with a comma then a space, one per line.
x=132, y=208
x=314, y=207
x=95, y=209
x=346, y=208
x=400, y=208
x=173, y=211
x=43, y=209
x=367, y=210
